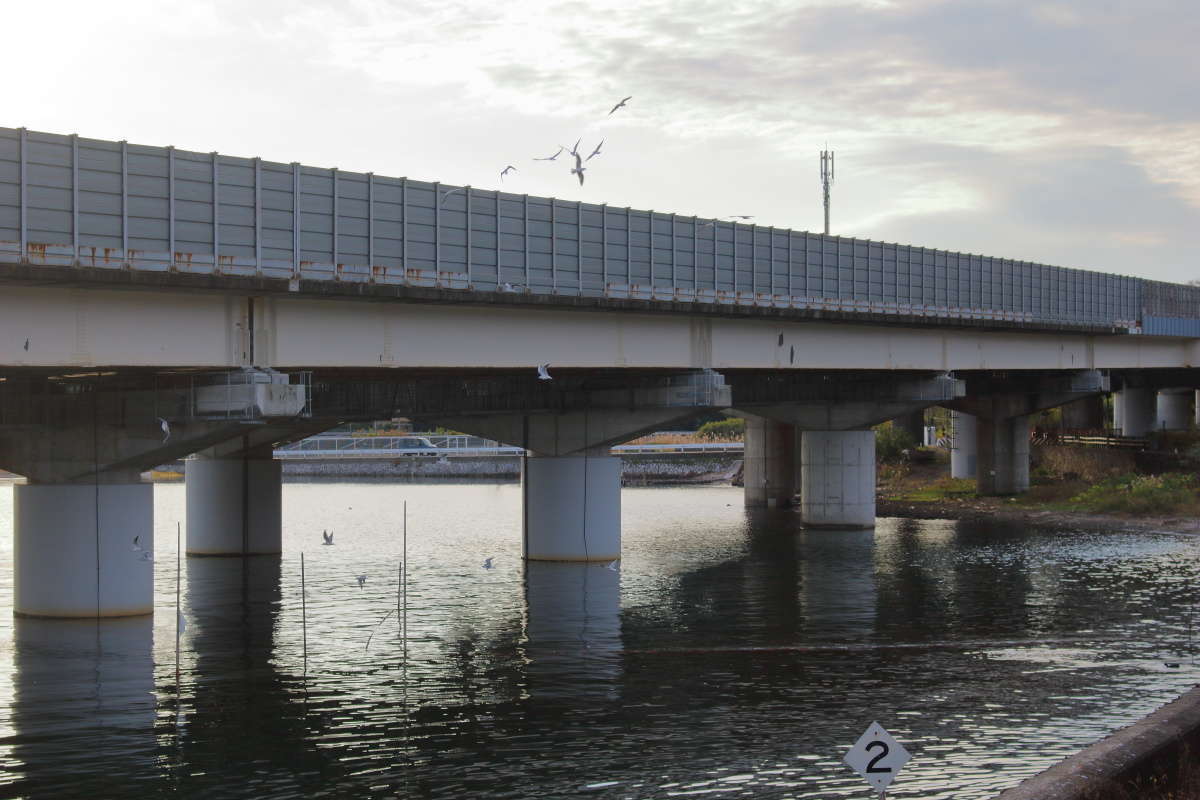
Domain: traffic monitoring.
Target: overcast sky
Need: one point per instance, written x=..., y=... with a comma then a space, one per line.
x=1062, y=132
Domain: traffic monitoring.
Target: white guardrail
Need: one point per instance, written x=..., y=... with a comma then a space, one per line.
x=319, y=448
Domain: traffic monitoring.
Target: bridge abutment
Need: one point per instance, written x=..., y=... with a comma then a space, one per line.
x=83, y=550
x=572, y=507
x=1003, y=448
x=769, y=463
x=234, y=505
x=837, y=476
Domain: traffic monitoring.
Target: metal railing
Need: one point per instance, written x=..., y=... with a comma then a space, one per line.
x=433, y=445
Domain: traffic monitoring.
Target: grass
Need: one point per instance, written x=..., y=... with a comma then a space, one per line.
x=939, y=490
x=1168, y=493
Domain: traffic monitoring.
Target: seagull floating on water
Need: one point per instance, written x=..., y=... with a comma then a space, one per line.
x=166, y=429
x=551, y=158
x=595, y=152
x=487, y=562
x=362, y=580
x=620, y=104
x=506, y=170
x=544, y=372
x=327, y=536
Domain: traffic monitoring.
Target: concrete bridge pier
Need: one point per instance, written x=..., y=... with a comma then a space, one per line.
x=769, y=463
x=1138, y=411
x=84, y=549
x=1003, y=448
x=1085, y=414
x=837, y=474
x=572, y=507
x=234, y=503
x=1172, y=409
x=963, y=445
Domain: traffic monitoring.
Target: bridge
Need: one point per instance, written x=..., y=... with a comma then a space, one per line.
x=161, y=304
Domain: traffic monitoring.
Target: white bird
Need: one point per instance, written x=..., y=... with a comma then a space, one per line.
x=452, y=191
x=487, y=562
x=506, y=170
x=739, y=216
x=579, y=168
x=327, y=536
x=166, y=429
x=551, y=158
x=136, y=547
x=508, y=287
x=620, y=104
x=613, y=564
x=362, y=580
x=575, y=148
x=544, y=372
x=595, y=152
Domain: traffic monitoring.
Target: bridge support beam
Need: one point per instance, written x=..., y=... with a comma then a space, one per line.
x=769, y=463
x=1172, y=407
x=74, y=550
x=234, y=505
x=837, y=475
x=963, y=445
x=1137, y=411
x=572, y=507
x=1003, y=447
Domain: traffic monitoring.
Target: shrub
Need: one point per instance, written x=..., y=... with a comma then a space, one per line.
x=1141, y=494
x=733, y=428
x=891, y=442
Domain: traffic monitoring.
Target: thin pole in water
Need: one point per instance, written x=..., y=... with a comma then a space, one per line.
x=303, y=617
x=178, y=607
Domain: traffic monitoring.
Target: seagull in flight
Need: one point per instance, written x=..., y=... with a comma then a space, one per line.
x=551, y=158
x=579, y=168
x=136, y=547
x=487, y=562
x=26, y=345
x=739, y=216
x=506, y=170
x=544, y=372
x=613, y=564
x=327, y=536
x=575, y=148
x=166, y=429
x=362, y=580
x=595, y=152
x=620, y=104
x=452, y=191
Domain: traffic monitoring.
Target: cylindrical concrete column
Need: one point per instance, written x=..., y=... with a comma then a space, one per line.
x=1117, y=410
x=83, y=550
x=962, y=445
x=1003, y=448
x=572, y=508
x=769, y=461
x=1137, y=411
x=1197, y=406
x=1173, y=409
x=234, y=506
x=838, y=479
x=1086, y=414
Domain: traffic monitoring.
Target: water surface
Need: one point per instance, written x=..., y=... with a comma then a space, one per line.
x=730, y=655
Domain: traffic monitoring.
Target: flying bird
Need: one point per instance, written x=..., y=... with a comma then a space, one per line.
x=136, y=547
x=26, y=345
x=613, y=564
x=506, y=170
x=620, y=104
x=327, y=536
x=362, y=580
x=575, y=148
x=739, y=216
x=544, y=372
x=166, y=429
x=551, y=158
x=452, y=191
x=487, y=562
x=595, y=152
x=579, y=168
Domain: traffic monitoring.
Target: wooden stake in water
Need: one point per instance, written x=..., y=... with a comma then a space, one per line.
x=303, y=616
x=178, y=607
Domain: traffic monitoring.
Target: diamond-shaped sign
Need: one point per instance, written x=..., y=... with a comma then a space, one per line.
x=877, y=757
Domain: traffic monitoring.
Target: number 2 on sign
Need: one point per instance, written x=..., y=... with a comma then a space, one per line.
x=883, y=751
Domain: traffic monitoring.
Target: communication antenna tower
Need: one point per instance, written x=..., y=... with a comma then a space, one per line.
x=826, y=181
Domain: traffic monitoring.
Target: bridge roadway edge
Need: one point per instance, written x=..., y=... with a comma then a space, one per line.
x=64, y=277
x=1145, y=756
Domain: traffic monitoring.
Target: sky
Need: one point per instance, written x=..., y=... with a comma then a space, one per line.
x=1061, y=132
